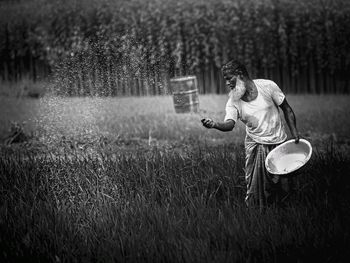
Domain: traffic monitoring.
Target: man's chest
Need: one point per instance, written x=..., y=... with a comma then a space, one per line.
x=260, y=106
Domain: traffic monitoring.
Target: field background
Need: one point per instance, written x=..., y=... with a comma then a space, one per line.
x=154, y=118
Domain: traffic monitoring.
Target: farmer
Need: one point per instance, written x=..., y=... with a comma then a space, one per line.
x=255, y=103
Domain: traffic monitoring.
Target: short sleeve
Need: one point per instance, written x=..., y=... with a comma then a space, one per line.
x=276, y=94
x=231, y=111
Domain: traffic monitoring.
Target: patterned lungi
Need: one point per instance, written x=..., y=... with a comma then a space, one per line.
x=263, y=188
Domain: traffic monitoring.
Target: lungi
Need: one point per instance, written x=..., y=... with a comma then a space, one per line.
x=263, y=188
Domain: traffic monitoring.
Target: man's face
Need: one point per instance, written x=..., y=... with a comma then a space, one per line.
x=231, y=78
x=234, y=83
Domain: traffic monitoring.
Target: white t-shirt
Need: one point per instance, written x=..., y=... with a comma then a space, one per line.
x=261, y=115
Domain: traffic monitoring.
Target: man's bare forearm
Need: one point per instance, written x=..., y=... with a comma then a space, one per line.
x=290, y=119
x=291, y=122
x=224, y=126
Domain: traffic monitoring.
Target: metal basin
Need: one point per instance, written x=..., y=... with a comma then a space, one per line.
x=288, y=157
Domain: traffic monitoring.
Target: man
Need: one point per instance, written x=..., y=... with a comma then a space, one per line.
x=255, y=103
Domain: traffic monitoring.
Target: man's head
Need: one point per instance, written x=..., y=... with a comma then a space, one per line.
x=235, y=74
x=234, y=70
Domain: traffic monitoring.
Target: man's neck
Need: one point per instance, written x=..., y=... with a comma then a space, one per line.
x=251, y=91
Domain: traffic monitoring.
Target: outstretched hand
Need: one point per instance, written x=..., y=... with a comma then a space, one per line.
x=208, y=123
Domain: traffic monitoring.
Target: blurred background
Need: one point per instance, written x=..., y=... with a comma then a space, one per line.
x=133, y=47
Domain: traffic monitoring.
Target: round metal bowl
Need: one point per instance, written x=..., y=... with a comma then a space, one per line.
x=288, y=157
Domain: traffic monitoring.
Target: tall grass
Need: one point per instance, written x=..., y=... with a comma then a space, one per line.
x=127, y=179
x=167, y=207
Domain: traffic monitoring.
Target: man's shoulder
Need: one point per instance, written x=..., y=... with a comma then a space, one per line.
x=233, y=103
x=264, y=82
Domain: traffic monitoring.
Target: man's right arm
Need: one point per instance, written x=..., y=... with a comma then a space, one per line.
x=229, y=122
x=225, y=126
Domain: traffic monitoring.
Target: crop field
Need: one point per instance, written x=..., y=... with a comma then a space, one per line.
x=128, y=180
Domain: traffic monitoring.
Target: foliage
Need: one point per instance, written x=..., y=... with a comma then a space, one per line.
x=163, y=206
x=93, y=44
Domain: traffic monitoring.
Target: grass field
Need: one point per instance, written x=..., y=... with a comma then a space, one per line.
x=127, y=179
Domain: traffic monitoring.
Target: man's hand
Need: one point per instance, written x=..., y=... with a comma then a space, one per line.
x=208, y=123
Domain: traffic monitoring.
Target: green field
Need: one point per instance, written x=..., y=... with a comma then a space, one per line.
x=127, y=179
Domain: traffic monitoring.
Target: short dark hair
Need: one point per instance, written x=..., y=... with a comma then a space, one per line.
x=235, y=65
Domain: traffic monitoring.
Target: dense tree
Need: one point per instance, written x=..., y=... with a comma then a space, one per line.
x=134, y=46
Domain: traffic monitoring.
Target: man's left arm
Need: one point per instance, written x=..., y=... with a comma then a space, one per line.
x=290, y=119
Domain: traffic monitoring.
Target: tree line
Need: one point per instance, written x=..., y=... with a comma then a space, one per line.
x=133, y=47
